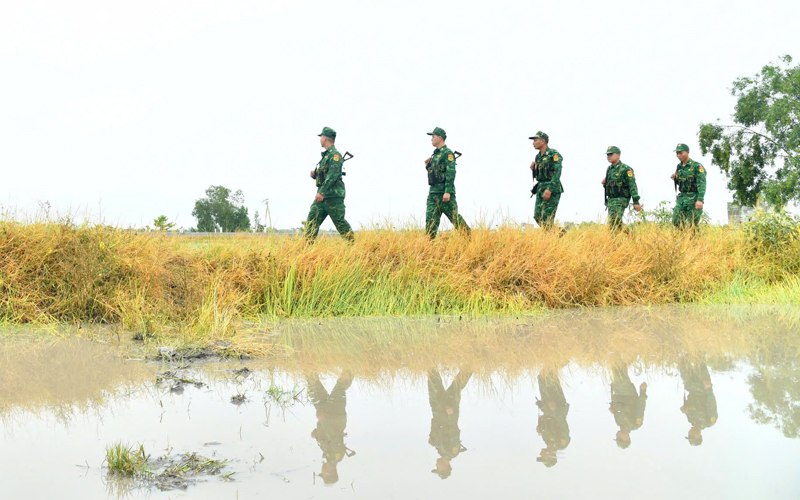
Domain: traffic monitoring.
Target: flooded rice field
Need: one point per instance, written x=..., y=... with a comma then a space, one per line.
x=614, y=403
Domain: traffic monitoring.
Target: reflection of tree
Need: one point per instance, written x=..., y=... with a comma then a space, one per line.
x=552, y=425
x=699, y=402
x=445, y=435
x=331, y=422
x=776, y=390
x=626, y=404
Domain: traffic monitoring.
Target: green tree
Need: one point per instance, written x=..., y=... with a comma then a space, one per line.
x=221, y=209
x=760, y=152
x=257, y=225
x=161, y=223
x=775, y=387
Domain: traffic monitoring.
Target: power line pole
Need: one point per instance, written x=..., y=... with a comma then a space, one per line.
x=267, y=215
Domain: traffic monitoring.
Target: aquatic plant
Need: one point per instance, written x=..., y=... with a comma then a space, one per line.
x=126, y=460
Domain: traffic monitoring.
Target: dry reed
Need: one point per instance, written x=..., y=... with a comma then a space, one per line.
x=146, y=282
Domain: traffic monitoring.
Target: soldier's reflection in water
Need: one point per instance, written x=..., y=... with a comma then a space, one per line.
x=331, y=422
x=552, y=425
x=699, y=403
x=445, y=435
x=626, y=405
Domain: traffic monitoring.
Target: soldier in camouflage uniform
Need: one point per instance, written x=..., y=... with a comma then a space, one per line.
x=690, y=178
x=699, y=402
x=547, y=175
x=620, y=186
x=626, y=405
x=552, y=425
x=331, y=423
x=441, y=167
x=329, y=199
x=445, y=435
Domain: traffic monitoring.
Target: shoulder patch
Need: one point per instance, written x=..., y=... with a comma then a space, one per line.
x=450, y=157
x=335, y=157
x=630, y=173
x=556, y=157
x=701, y=169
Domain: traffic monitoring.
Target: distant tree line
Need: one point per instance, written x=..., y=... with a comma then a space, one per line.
x=221, y=210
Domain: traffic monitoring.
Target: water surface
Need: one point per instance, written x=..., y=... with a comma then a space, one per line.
x=623, y=403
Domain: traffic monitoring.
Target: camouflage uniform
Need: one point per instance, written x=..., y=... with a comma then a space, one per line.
x=699, y=402
x=331, y=422
x=547, y=173
x=552, y=425
x=620, y=187
x=627, y=405
x=441, y=179
x=445, y=435
x=328, y=176
x=691, y=182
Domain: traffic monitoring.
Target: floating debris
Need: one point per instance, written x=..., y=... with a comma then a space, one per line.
x=131, y=468
x=181, y=472
x=239, y=399
x=177, y=380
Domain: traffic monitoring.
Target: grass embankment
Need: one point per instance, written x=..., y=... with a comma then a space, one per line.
x=60, y=272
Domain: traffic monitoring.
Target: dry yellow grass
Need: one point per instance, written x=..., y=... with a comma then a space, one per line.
x=61, y=272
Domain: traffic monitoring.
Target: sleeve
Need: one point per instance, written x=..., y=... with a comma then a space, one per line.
x=631, y=178
x=701, y=183
x=332, y=175
x=450, y=172
x=555, y=183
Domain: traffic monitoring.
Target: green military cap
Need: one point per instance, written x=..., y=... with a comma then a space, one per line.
x=440, y=132
x=681, y=147
x=328, y=132
x=540, y=135
x=612, y=149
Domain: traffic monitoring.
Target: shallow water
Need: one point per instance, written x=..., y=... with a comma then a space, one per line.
x=515, y=408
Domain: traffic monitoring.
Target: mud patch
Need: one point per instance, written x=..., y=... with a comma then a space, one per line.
x=180, y=472
x=165, y=473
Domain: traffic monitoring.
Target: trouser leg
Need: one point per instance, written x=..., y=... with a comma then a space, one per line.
x=316, y=215
x=433, y=214
x=616, y=211
x=450, y=209
x=545, y=211
x=335, y=208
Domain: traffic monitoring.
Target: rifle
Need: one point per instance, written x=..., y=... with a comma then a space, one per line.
x=346, y=156
x=675, y=180
x=605, y=188
x=535, y=184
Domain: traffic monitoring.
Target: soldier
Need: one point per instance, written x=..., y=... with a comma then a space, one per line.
x=445, y=435
x=441, y=167
x=547, y=175
x=620, y=186
x=329, y=199
x=699, y=402
x=690, y=178
x=627, y=406
x=331, y=423
x=552, y=425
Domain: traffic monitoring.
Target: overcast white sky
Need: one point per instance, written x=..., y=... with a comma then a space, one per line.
x=130, y=110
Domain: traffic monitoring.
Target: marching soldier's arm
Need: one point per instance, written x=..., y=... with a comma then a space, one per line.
x=701, y=183
x=450, y=172
x=332, y=175
x=631, y=177
x=553, y=184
